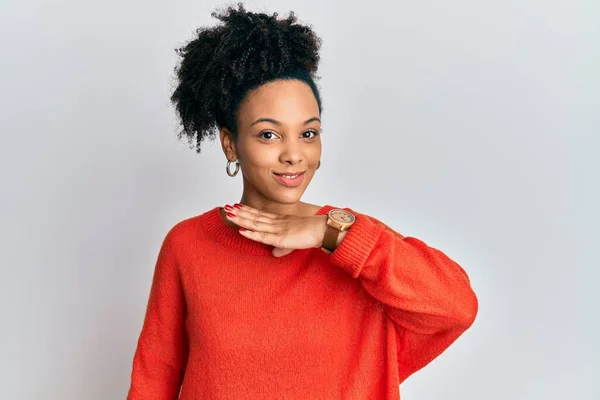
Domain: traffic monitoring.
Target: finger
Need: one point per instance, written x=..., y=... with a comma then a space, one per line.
x=244, y=209
x=253, y=222
x=264, y=237
x=245, y=213
x=279, y=252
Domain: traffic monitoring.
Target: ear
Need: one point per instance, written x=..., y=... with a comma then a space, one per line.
x=228, y=144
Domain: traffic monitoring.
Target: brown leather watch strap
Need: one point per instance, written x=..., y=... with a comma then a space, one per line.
x=330, y=238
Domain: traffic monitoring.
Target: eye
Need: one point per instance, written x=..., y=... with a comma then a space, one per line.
x=263, y=134
x=314, y=132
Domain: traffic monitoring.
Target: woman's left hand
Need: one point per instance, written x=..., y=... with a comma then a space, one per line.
x=284, y=232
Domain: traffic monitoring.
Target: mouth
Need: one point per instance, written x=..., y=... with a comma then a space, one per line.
x=290, y=179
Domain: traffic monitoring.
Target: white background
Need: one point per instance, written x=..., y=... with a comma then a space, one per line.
x=472, y=125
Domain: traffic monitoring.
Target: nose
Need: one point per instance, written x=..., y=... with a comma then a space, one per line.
x=291, y=153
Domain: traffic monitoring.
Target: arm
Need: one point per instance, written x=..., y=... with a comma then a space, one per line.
x=426, y=294
x=161, y=354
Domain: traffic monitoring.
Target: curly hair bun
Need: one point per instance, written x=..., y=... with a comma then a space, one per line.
x=222, y=63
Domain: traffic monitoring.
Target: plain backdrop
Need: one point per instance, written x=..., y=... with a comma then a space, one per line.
x=472, y=125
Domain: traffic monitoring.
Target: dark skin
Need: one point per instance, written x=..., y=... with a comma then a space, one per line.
x=289, y=141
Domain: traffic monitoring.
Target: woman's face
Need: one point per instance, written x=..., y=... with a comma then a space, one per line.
x=279, y=133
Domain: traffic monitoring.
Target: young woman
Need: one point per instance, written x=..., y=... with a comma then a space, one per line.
x=272, y=297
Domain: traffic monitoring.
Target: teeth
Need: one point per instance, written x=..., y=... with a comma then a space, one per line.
x=290, y=176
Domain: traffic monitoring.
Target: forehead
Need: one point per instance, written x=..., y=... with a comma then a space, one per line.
x=289, y=101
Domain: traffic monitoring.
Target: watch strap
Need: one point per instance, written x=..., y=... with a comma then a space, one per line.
x=330, y=238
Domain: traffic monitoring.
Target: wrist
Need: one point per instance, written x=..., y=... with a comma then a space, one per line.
x=341, y=237
x=323, y=229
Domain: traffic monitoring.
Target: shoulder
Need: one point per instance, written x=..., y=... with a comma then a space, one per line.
x=186, y=230
x=357, y=213
x=363, y=218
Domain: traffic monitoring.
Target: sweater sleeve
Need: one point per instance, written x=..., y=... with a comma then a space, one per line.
x=161, y=353
x=426, y=294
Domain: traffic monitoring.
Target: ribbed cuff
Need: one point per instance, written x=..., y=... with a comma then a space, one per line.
x=357, y=245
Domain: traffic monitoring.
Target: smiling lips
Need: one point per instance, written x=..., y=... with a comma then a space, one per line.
x=290, y=179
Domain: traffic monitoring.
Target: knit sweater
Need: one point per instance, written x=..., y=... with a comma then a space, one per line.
x=226, y=319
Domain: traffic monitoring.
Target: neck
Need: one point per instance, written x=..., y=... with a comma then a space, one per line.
x=256, y=200
x=297, y=208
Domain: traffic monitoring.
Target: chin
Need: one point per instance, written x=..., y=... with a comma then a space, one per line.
x=291, y=197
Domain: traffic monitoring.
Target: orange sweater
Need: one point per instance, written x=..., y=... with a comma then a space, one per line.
x=227, y=320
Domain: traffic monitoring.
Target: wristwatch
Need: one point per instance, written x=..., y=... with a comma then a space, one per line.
x=338, y=220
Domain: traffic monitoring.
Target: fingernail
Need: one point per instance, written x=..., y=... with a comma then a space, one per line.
x=237, y=205
x=228, y=207
x=230, y=215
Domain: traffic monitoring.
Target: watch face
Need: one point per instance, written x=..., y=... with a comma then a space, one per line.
x=341, y=216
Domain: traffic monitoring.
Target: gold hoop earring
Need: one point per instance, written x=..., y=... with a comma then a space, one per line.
x=237, y=168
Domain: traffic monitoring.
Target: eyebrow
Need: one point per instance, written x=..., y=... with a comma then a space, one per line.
x=275, y=122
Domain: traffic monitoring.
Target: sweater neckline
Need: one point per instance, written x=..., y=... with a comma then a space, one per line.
x=217, y=229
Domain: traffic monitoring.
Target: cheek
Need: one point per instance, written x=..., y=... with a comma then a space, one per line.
x=257, y=164
x=314, y=155
x=263, y=159
x=254, y=155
